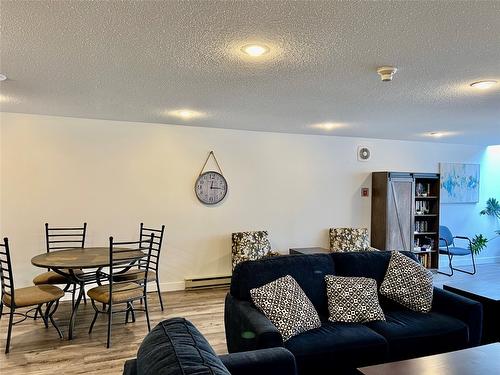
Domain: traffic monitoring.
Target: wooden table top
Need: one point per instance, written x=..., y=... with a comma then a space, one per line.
x=485, y=289
x=481, y=360
x=88, y=257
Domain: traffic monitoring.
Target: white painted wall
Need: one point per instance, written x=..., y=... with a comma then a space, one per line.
x=116, y=174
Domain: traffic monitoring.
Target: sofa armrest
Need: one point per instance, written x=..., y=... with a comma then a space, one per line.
x=270, y=361
x=468, y=311
x=247, y=328
x=130, y=367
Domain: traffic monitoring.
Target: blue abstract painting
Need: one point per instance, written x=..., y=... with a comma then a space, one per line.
x=459, y=183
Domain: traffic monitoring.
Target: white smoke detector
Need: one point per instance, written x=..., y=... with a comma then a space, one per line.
x=386, y=73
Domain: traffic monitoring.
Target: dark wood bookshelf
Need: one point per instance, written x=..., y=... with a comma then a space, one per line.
x=405, y=214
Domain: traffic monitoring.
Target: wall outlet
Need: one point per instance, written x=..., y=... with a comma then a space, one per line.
x=365, y=192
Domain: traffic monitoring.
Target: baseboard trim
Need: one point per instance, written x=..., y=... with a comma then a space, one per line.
x=171, y=286
x=465, y=260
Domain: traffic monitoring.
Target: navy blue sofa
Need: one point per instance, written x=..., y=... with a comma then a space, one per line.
x=176, y=347
x=336, y=348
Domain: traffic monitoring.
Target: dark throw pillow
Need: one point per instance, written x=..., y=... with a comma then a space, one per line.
x=408, y=283
x=286, y=305
x=353, y=299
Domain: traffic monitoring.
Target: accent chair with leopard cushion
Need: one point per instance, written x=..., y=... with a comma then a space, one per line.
x=350, y=239
x=251, y=246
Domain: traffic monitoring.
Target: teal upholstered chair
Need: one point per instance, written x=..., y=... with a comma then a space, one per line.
x=448, y=247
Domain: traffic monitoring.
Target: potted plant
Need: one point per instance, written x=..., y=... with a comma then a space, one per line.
x=479, y=242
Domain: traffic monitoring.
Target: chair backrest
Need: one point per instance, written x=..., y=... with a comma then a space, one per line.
x=65, y=237
x=249, y=246
x=121, y=257
x=349, y=239
x=157, y=241
x=445, y=236
x=6, y=277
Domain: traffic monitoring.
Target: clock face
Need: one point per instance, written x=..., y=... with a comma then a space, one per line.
x=211, y=187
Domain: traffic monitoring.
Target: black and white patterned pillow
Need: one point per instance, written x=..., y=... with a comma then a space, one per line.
x=408, y=283
x=353, y=299
x=286, y=305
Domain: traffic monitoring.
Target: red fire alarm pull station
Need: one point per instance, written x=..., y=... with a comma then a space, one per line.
x=365, y=192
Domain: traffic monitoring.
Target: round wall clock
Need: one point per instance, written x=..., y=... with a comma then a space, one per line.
x=210, y=187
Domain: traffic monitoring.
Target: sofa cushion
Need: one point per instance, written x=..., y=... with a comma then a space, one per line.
x=352, y=299
x=407, y=282
x=176, y=347
x=308, y=270
x=285, y=304
x=371, y=264
x=413, y=334
x=336, y=346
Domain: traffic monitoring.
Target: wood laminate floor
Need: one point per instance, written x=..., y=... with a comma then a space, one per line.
x=36, y=350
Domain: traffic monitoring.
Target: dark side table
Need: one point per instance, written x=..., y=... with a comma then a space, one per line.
x=309, y=250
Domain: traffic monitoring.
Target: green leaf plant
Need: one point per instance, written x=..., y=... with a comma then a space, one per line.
x=492, y=208
x=479, y=242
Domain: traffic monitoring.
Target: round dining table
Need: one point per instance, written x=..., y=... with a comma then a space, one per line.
x=69, y=262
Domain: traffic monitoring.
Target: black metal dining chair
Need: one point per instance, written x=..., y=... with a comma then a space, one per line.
x=36, y=296
x=61, y=238
x=152, y=266
x=121, y=292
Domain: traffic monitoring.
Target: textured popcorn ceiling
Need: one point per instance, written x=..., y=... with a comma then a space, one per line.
x=135, y=60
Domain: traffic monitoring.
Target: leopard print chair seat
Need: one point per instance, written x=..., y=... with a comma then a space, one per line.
x=251, y=246
x=350, y=239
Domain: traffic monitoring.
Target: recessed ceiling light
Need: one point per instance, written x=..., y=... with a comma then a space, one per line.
x=3, y=77
x=327, y=125
x=436, y=134
x=483, y=85
x=440, y=134
x=255, y=50
x=185, y=114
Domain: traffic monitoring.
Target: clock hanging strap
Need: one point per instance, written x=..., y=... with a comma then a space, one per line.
x=216, y=162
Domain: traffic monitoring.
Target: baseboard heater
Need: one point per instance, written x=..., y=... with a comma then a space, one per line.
x=207, y=282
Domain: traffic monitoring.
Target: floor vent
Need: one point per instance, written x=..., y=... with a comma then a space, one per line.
x=208, y=282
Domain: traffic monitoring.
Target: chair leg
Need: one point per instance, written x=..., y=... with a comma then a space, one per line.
x=93, y=322
x=110, y=318
x=73, y=296
x=473, y=267
x=45, y=316
x=147, y=312
x=1, y=307
x=9, y=330
x=450, y=258
x=84, y=296
x=38, y=311
x=159, y=293
x=51, y=313
x=132, y=312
